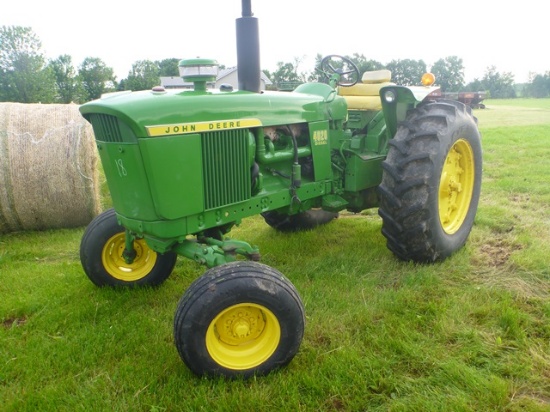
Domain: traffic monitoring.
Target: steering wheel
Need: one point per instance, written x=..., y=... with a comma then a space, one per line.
x=346, y=71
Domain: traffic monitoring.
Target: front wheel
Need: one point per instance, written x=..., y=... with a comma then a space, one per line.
x=431, y=182
x=239, y=319
x=101, y=255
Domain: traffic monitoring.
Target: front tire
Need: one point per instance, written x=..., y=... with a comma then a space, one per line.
x=431, y=182
x=239, y=319
x=101, y=256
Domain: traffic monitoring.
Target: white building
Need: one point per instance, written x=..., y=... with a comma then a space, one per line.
x=225, y=77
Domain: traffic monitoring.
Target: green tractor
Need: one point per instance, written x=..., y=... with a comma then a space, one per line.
x=185, y=166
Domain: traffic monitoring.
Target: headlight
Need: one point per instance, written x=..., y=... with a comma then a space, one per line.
x=389, y=96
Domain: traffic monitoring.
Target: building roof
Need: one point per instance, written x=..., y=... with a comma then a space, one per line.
x=176, y=82
x=226, y=72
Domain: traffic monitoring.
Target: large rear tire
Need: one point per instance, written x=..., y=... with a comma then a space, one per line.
x=239, y=319
x=431, y=182
x=307, y=220
x=101, y=256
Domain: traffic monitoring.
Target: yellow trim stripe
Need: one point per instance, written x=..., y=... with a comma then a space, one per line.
x=200, y=127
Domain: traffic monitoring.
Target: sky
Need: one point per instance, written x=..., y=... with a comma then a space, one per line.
x=514, y=37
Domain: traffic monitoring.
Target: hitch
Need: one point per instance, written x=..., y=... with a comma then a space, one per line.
x=213, y=252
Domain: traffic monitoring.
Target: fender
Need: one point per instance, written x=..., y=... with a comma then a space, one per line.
x=397, y=100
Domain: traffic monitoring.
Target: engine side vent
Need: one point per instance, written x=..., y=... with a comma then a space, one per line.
x=106, y=128
x=226, y=168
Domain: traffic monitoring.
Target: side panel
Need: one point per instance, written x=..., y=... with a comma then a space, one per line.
x=174, y=168
x=363, y=173
x=320, y=149
x=127, y=180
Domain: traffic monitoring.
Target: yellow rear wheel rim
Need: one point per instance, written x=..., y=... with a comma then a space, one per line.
x=116, y=266
x=243, y=336
x=456, y=186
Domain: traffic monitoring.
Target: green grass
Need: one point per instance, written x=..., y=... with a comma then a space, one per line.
x=468, y=334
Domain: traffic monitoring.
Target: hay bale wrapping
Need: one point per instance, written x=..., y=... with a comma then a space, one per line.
x=48, y=168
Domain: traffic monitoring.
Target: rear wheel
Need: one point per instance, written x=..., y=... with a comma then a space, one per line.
x=101, y=256
x=239, y=319
x=300, y=221
x=431, y=182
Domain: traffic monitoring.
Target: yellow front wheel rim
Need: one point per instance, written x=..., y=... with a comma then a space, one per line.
x=456, y=186
x=243, y=336
x=116, y=266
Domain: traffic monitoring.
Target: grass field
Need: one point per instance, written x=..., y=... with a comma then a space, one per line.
x=469, y=334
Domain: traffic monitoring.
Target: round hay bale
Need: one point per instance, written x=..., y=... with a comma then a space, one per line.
x=48, y=168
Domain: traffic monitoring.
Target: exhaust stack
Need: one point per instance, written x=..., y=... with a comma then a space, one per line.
x=248, y=50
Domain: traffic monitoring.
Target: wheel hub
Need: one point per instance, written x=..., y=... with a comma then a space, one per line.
x=241, y=329
x=240, y=325
x=243, y=336
x=114, y=260
x=456, y=186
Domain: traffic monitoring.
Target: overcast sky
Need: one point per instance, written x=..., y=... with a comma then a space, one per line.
x=514, y=37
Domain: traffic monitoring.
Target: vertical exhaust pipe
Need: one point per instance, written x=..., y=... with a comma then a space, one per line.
x=248, y=50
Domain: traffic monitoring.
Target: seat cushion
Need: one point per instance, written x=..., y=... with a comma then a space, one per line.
x=376, y=76
x=364, y=102
x=366, y=95
x=362, y=89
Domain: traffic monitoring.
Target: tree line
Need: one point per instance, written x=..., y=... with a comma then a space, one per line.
x=27, y=76
x=448, y=71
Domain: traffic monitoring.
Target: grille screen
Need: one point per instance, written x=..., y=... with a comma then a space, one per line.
x=226, y=167
x=106, y=128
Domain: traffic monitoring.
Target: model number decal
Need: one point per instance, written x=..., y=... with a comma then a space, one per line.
x=199, y=127
x=320, y=137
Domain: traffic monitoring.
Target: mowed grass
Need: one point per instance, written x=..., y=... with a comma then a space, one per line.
x=468, y=334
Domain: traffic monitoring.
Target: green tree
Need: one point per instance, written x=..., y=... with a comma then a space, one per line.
x=449, y=73
x=144, y=75
x=96, y=78
x=315, y=75
x=476, y=85
x=24, y=76
x=287, y=76
x=407, y=72
x=539, y=86
x=364, y=64
x=499, y=85
x=68, y=86
x=169, y=67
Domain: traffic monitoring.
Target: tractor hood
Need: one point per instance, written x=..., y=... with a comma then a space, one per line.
x=159, y=113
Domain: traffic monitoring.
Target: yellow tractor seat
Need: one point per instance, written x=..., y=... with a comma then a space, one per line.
x=366, y=95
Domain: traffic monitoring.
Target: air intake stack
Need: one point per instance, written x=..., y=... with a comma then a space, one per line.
x=248, y=50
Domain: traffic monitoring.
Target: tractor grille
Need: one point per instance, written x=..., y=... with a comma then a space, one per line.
x=106, y=128
x=226, y=167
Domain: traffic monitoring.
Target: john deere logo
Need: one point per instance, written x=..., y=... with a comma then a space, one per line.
x=200, y=127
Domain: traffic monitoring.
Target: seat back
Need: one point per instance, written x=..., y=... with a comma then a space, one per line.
x=366, y=95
